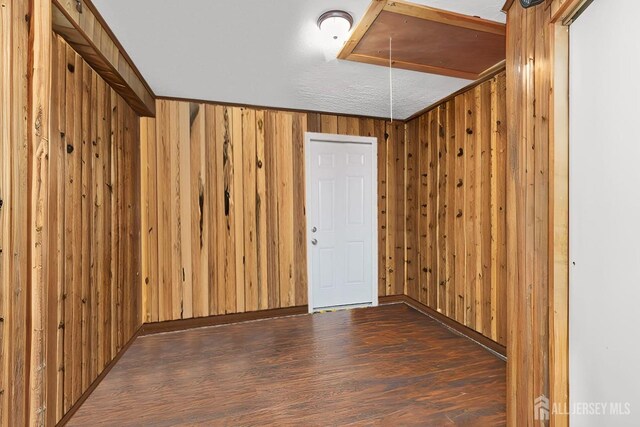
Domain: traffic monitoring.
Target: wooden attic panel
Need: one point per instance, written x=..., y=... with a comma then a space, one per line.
x=427, y=40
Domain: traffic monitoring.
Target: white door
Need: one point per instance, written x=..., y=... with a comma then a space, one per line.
x=341, y=220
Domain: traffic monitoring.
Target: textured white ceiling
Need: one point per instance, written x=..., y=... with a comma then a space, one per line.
x=269, y=53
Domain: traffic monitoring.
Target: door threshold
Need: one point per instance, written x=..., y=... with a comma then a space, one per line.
x=341, y=307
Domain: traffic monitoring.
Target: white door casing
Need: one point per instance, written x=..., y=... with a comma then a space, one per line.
x=341, y=207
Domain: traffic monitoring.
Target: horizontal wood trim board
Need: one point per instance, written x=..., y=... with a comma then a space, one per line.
x=384, y=62
x=445, y=17
x=265, y=107
x=84, y=32
x=94, y=10
x=64, y=420
x=455, y=326
x=491, y=74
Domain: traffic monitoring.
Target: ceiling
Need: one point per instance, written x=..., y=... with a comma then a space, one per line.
x=270, y=53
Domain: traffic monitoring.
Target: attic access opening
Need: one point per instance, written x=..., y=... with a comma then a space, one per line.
x=426, y=39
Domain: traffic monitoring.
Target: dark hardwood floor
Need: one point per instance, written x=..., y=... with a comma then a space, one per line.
x=389, y=365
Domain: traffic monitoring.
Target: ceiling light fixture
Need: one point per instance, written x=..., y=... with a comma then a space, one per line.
x=335, y=23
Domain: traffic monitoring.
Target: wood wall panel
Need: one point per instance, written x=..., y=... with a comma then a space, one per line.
x=69, y=220
x=455, y=204
x=537, y=363
x=94, y=223
x=241, y=197
x=14, y=161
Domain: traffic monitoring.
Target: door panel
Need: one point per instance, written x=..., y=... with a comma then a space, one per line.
x=326, y=202
x=355, y=200
x=340, y=210
x=355, y=262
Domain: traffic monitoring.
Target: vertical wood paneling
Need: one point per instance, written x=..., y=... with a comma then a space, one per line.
x=452, y=151
x=381, y=135
x=249, y=191
x=95, y=238
x=230, y=280
x=262, y=245
x=184, y=199
x=529, y=206
x=14, y=161
x=461, y=254
x=38, y=293
x=85, y=296
x=411, y=200
x=439, y=301
x=484, y=102
x=395, y=209
x=460, y=210
x=243, y=207
x=299, y=214
x=272, y=209
x=470, y=209
x=237, y=203
x=211, y=202
x=499, y=168
x=57, y=234
x=70, y=204
x=284, y=147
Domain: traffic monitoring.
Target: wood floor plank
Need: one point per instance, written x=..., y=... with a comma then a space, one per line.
x=395, y=366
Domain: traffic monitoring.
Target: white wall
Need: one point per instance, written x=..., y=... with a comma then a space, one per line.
x=604, y=297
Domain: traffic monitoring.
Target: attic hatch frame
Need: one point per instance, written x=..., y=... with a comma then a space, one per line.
x=452, y=20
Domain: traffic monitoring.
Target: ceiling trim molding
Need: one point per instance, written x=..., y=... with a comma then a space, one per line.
x=115, y=40
x=487, y=75
x=266, y=107
x=87, y=33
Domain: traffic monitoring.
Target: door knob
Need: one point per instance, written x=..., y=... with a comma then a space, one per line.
x=314, y=241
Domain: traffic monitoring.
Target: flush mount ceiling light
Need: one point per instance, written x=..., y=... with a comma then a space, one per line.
x=335, y=23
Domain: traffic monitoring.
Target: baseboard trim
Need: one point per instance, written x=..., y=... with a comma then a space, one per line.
x=495, y=348
x=220, y=319
x=226, y=319
x=391, y=299
x=74, y=408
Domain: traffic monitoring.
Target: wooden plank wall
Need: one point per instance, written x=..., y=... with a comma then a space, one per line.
x=530, y=371
x=15, y=198
x=68, y=305
x=223, y=207
x=456, y=258
x=94, y=223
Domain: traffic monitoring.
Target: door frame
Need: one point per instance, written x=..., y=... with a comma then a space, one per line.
x=563, y=12
x=344, y=139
